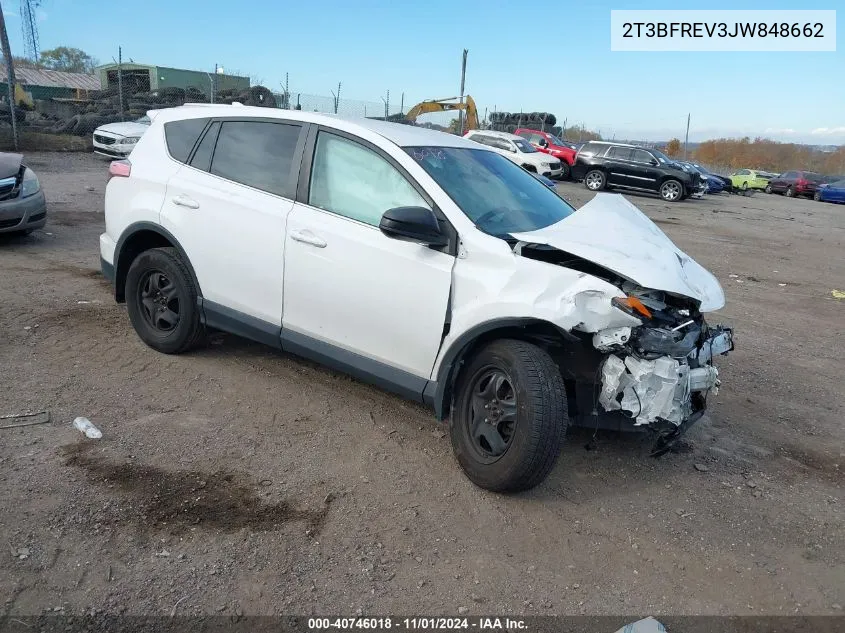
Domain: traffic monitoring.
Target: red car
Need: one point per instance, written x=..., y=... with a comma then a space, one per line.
x=551, y=144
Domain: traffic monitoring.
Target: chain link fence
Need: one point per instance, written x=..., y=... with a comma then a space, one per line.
x=42, y=109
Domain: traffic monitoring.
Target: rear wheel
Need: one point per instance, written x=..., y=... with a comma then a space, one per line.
x=162, y=301
x=672, y=191
x=769, y=188
x=509, y=417
x=595, y=180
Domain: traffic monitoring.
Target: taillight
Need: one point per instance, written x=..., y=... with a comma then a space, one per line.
x=120, y=169
x=802, y=182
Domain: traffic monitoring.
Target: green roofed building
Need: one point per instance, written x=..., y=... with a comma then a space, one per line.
x=144, y=78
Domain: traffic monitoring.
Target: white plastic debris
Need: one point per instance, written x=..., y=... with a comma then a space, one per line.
x=646, y=625
x=83, y=425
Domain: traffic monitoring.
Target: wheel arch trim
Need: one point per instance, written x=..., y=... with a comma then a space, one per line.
x=438, y=393
x=121, y=264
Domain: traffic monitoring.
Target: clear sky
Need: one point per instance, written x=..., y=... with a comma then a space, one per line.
x=552, y=57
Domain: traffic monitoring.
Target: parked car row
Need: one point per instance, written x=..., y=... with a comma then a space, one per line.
x=792, y=184
x=606, y=165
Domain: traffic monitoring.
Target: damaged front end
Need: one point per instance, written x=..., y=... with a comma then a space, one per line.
x=660, y=374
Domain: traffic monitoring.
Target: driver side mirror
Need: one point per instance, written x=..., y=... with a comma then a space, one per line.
x=413, y=224
x=543, y=142
x=654, y=162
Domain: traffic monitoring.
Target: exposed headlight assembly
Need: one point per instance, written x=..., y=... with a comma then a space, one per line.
x=30, y=185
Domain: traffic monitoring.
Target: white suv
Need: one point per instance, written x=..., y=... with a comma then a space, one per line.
x=422, y=262
x=518, y=150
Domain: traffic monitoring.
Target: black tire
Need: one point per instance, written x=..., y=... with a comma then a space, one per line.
x=671, y=190
x=172, y=333
x=790, y=192
x=533, y=393
x=565, y=171
x=817, y=196
x=768, y=188
x=595, y=180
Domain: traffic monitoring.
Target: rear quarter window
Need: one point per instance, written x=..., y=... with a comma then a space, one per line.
x=592, y=149
x=181, y=136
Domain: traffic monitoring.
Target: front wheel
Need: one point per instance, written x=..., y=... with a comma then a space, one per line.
x=789, y=192
x=509, y=417
x=672, y=191
x=565, y=171
x=595, y=180
x=162, y=301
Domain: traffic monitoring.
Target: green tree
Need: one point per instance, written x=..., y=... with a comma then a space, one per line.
x=455, y=126
x=673, y=148
x=69, y=60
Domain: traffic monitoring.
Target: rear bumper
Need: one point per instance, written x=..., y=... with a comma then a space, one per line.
x=22, y=214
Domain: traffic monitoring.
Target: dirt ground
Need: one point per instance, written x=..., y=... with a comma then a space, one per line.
x=238, y=480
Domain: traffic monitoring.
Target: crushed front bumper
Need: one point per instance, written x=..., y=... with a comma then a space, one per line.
x=666, y=387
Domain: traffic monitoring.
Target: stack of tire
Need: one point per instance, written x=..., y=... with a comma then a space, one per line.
x=104, y=107
x=512, y=121
x=256, y=96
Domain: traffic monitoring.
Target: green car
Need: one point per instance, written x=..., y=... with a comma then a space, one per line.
x=750, y=179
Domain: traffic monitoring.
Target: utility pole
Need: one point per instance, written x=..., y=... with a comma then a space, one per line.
x=402, y=104
x=287, y=93
x=10, y=75
x=463, y=78
x=386, y=105
x=214, y=85
x=120, y=77
x=686, y=138
x=336, y=97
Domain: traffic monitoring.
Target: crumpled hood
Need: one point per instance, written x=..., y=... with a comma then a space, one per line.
x=127, y=128
x=612, y=232
x=10, y=164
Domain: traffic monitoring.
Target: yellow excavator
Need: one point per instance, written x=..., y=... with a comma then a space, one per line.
x=446, y=105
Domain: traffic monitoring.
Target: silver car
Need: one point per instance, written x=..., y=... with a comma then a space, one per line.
x=23, y=207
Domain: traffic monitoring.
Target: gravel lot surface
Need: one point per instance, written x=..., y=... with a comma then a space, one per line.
x=240, y=480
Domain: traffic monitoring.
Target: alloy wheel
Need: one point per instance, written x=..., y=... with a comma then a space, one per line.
x=594, y=181
x=492, y=415
x=159, y=301
x=671, y=191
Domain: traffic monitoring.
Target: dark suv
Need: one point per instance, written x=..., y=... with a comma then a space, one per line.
x=610, y=165
x=795, y=183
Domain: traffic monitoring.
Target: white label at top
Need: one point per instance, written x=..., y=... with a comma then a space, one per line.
x=694, y=30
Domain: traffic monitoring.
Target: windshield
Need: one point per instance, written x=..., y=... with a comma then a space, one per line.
x=813, y=177
x=524, y=146
x=663, y=158
x=557, y=141
x=497, y=195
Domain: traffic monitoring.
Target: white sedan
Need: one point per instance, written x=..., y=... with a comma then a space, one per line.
x=117, y=140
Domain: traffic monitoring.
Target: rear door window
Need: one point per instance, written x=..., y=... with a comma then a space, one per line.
x=181, y=136
x=592, y=149
x=258, y=154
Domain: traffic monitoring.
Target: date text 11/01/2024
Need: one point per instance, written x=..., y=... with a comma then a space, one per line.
x=417, y=624
x=721, y=29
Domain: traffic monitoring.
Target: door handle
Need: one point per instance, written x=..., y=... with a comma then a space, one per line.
x=307, y=237
x=185, y=201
